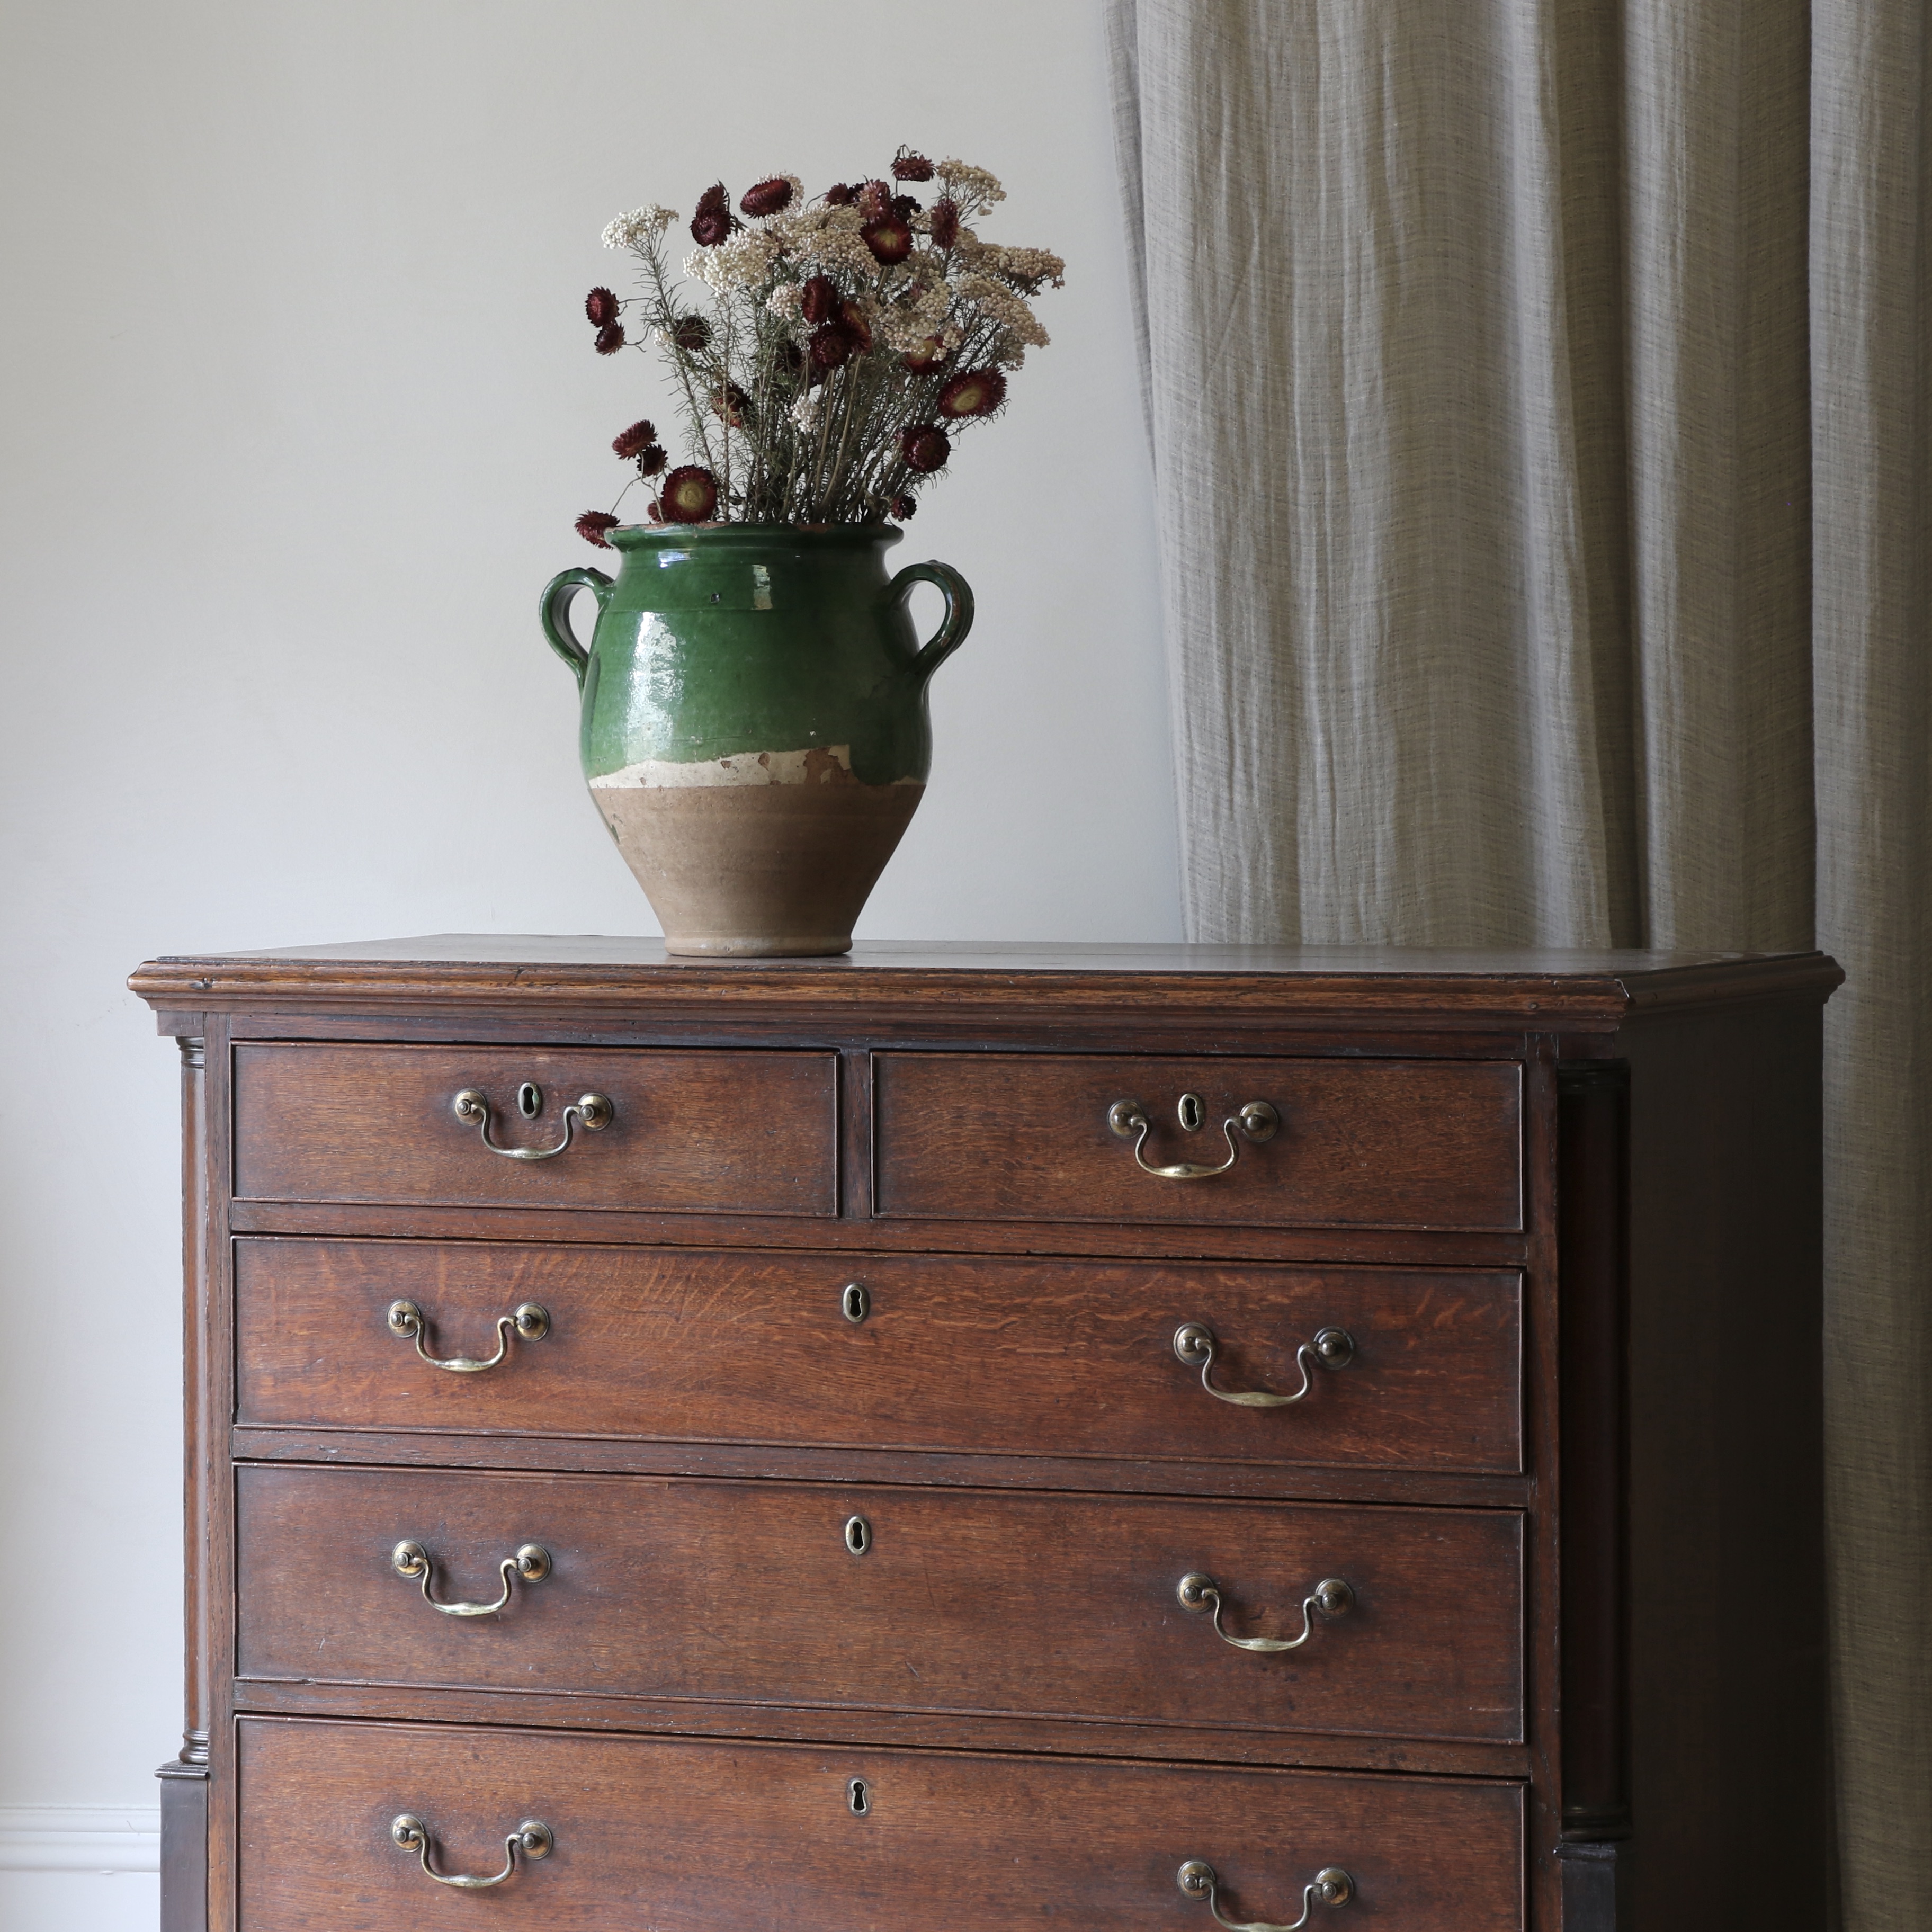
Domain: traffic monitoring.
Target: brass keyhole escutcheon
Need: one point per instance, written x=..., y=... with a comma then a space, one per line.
x=858, y=1535
x=856, y=1304
x=530, y=1100
x=859, y=1796
x=1192, y=1113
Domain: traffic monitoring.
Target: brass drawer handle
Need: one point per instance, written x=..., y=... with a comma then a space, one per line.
x=531, y=1564
x=1129, y=1119
x=532, y=1837
x=528, y=1321
x=472, y=1109
x=1331, y=1597
x=1331, y=1885
x=1194, y=1344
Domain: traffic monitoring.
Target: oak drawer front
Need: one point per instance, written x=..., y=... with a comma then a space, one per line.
x=689, y=1836
x=1015, y=1358
x=966, y=1601
x=1336, y=1143
x=743, y=1132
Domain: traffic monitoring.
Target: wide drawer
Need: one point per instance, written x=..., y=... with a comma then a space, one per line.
x=1003, y=1602
x=684, y=1836
x=1336, y=1143
x=1021, y=1358
x=732, y=1132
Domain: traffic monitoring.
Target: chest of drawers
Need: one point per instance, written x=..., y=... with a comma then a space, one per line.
x=1026, y=1438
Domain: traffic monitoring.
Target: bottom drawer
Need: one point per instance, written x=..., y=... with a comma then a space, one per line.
x=689, y=1836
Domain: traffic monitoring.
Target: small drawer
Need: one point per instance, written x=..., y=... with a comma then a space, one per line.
x=685, y=1835
x=1387, y=1621
x=1415, y=1368
x=1276, y=1143
x=734, y=1132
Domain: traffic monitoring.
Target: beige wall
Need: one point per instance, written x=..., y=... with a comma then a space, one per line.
x=299, y=408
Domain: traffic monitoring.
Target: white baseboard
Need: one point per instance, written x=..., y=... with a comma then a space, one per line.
x=101, y=1838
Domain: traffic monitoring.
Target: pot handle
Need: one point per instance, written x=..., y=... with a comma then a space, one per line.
x=957, y=622
x=554, y=611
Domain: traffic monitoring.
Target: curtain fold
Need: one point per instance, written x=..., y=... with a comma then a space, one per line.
x=1540, y=402
x=1871, y=360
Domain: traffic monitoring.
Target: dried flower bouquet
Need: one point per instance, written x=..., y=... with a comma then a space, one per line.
x=841, y=344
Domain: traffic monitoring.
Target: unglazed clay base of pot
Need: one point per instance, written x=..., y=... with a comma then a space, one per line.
x=759, y=870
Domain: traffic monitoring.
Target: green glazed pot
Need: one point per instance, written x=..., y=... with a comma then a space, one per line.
x=755, y=730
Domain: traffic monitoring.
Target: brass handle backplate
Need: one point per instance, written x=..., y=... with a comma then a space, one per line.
x=527, y=1321
x=1257, y=1120
x=1194, y=1343
x=1331, y=1885
x=1331, y=1597
x=530, y=1564
x=532, y=1837
x=472, y=1107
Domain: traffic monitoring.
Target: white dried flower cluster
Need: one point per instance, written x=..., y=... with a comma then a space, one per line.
x=1033, y=265
x=806, y=410
x=826, y=238
x=904, y=324
x=639, y=228
x=998, y=303
x=783, y=301
x=743, y=262
x=970, y=190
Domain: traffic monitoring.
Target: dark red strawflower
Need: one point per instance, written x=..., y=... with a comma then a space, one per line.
x=852, y=319
x=791, y=358
x=925, y=355
x=818, y=300
x=925, y=447
x=601, y=306
x=841, y=194
x=656, y=515
x=908, y=167
x=889, y=237
x=905, y=206
x=610, y=338
x=689, y=495
x=730, y=403
x=903, y=508
x=592, y=525
x=766, y=197
x=973, y=392
x=651, y=460
x=830, y=345
x=711, y=224
x=945, y=224
x=632, y=440
x=691, y=333
x=875, y=199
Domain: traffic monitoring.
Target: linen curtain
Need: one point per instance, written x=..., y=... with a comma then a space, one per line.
x=1539, y=394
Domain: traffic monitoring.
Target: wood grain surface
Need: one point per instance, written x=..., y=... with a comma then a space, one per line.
x=1024, y=1358
x=742, y=1132
x=682, y=1836
x=1382, y=1143
x=1041, y=1605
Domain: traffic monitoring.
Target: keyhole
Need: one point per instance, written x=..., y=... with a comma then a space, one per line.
x=859, y=1795
x=858, y=1535
x=1192, y=1113
x=530, y=1100
x=855, y=1304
